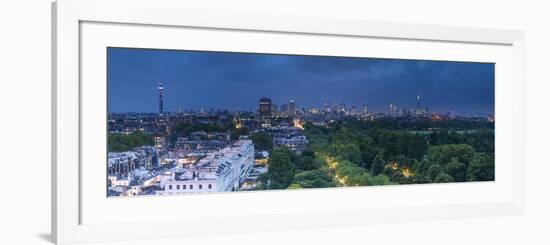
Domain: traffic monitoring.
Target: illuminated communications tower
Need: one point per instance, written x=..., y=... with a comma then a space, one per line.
x=161, y=98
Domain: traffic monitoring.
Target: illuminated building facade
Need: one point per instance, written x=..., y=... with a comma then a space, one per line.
x=220, y=171
x=265, y=110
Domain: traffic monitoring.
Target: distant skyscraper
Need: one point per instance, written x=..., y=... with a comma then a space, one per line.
x=343, y=107
x=265, y=109
x=274, y=109
x=291, y=108
x=365, y=109
x=334, y=108
x=418, y=108
x=161, y=98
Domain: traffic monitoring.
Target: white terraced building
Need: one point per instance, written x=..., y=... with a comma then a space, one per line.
x=220, y=171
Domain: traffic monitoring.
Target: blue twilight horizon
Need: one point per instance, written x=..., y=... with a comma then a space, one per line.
x=235, y=81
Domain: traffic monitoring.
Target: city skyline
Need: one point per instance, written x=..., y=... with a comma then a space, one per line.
x=235, y=81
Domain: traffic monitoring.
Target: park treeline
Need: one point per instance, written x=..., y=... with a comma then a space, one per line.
x=122, y=142
x=355, y=153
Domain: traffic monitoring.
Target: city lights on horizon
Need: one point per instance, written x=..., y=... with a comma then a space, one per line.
x=372, y=109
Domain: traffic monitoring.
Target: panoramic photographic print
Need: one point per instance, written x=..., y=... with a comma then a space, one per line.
x=182, y=122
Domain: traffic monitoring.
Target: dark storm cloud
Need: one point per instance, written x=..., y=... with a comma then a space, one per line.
x=236, y=81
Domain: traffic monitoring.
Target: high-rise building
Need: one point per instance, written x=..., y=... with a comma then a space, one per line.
x=265, y=109
x=274, y=110
x=291, y=108
x=353, y=110
x=343, y=109
x=365, y=109
x=418, y=109
x=334, y=108
x=161, y=98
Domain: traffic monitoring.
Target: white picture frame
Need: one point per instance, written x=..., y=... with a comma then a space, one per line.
x=68, y=197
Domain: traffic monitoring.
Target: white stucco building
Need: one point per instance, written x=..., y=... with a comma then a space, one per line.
x=220, y=171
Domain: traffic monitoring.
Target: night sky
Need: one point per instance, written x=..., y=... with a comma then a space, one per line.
x=235, y=81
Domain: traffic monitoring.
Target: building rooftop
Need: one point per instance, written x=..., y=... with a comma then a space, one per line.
x=215, y=164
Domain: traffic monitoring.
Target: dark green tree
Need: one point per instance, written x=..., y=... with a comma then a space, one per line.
x=308, y=152
x=280, y=170
x=418, y=147
x=294, y=186
x=368, y=151
x=313, y=179
x=359, y=179
x=481, y=168
x=456, y=169
x=121, y=142
x=420, y=179
x=347, y=168
x=397, y=176
x=349, y=152
x=262, y=142
x=433, y=171
x=306, y=162
x=420, y=167
x=388, y=171
x=377, y=165
x=443, y=178
x=285, y=150
x=443, y=154
x=381, y=180
x=416, y=167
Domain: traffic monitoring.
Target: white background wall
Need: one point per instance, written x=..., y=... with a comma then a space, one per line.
x=25, y=122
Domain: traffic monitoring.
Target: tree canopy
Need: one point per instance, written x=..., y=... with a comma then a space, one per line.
x=262, y=141
x=121, y=142
x=384, y=152
x=281, y=170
